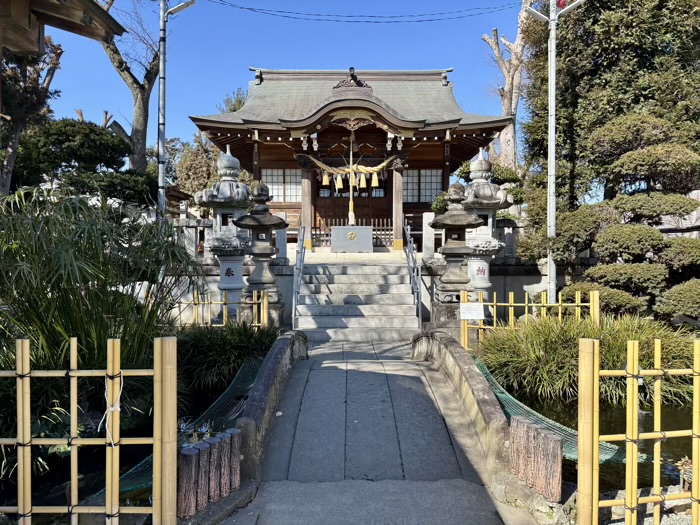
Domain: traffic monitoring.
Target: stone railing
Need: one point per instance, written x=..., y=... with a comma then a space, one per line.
x=261, y=406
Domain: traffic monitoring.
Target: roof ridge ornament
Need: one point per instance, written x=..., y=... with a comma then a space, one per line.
x=351, y=81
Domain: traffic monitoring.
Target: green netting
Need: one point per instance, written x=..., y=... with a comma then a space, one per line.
x=220, y=416
x=513, y=407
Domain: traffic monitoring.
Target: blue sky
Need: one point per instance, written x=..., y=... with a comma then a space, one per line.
x=210, y=47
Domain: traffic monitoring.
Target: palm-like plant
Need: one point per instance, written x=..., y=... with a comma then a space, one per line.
x=73, y=268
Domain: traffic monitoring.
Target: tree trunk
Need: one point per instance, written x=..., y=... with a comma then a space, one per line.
x=139, y=129
x=8, y=164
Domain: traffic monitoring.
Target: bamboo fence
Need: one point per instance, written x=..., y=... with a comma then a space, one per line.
x=203, y=306
x=589, y=436
x=511, y=311
x=164, y=439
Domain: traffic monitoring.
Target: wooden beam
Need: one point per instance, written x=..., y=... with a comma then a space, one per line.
x=307, y=211
x=397, y=208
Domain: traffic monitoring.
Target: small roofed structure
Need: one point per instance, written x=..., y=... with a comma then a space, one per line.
x=22, y=22
x=307, y=134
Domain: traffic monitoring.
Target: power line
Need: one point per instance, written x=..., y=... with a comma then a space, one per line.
x=372, y=19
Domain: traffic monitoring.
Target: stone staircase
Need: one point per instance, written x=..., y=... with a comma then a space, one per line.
x=356, y=302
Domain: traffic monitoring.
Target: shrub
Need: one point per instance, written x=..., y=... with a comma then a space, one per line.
x=439, y=205
x=576, y=230
x=649, y=208
x=628, y=243
x=681, y=300
x=611, y=301
x=636, y=278
x=209, y=358
x=540, y=359
x=682, y=253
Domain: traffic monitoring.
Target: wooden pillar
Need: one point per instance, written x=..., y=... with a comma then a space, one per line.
x=256, y=160
x=307, y=211
x=446, y=165
x=397, y=208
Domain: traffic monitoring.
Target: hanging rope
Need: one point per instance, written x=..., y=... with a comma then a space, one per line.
x=354, y=168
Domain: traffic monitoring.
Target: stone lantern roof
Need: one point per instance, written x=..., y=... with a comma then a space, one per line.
x=260, y=216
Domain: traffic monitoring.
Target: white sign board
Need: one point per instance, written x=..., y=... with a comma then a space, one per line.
x=472, y=311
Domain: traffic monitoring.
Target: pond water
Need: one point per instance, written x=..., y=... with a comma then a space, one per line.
x=612, y=421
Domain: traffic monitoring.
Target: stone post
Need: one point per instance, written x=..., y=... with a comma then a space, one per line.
x=428, y=237
x=281, y=258
x=397, y=208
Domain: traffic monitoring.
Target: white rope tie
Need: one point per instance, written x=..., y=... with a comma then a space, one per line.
x=111, y=408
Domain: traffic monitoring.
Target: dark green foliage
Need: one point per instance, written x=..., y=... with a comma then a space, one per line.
x=671, y=167
x=683, y=257
x=439, y=205
x=211, y=356
x=649, y=208
x=636, y=278
x=576, y=230
x=502, y=176
x=612, y=301
x=628, y=243
x=681, y=300
x=540, y=359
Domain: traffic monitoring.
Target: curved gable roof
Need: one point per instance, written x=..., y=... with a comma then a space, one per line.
x=286, y=97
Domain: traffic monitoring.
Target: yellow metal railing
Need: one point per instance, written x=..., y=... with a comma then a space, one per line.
x=164, y=440
x=589, y=437
x=204, y=309
x=508, y=311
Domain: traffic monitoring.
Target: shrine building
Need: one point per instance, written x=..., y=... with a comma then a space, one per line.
x=394, y=136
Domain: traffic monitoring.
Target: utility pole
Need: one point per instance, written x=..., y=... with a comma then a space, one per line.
x=165, y=13
x=554, y=14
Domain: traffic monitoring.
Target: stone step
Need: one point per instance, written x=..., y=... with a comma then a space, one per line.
x=359, y=334
x=336, y=321
x=371, y=278
x=338, y=298
x=366, y=310
x=359, y=289
x=355, y=269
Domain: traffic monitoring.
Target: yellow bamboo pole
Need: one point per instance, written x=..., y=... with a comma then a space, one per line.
x=481, y=321
x=265, y=308
x=560, y=307
x=462, y=322
x=585, y=431
x=578, y=305
x=115, y=424
x=256, y=300
x=511, y=309
x=630, y=484
x=195, y=308
x=109, y=450
x=595, y=307
x=657, y=428
x=169, y=432
x=27, y=421
x=595, y=492
x=543, y=308
x=225, y=307
x=696, y=434
x=74, y=415
x=21, y=473
x=157, y=428
x=527, y=307
x=635, y=436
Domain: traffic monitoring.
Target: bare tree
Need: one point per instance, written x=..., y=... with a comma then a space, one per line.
x=26, y=94
x=135, y=58
x=511, y=66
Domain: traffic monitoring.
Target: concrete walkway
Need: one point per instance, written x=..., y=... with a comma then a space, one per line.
x=366, y=436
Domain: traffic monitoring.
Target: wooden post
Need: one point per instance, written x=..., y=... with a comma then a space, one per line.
x=24, y=436
x=631, y=432
x=225, y=475
x=463, y=298
x=596, y=431
x=114, y=423
x=214, y=469
x=157, y=493
x=578, y=305
x=585, y=431
x=511, y=309
x=202, y=475
x=235, y=458
x=547, y=465
x=187, y=482
x=307, y=212
x=543, y=306
x=169, y=432
x=657, y=428
x=517, y=427
x=109, y=450
x=397, y=208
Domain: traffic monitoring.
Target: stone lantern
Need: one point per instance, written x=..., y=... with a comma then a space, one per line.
x=445, y=309
x=261, y=222
x=229, y=200
x=483, y=199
